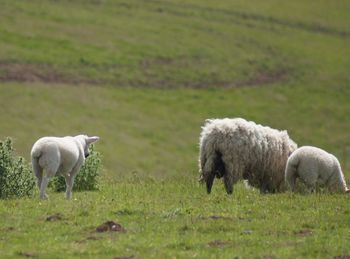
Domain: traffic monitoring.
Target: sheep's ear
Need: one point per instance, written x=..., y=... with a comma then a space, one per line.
x=93, y=139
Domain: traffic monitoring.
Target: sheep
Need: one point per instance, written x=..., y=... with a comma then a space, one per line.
x=55, y=155
x=238, y=149
x=315, y=166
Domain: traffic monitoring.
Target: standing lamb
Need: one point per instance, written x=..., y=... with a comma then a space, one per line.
x=238, y=149
x=59, y=155
x=314, y=165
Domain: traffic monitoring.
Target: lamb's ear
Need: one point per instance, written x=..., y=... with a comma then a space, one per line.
x=93, y=139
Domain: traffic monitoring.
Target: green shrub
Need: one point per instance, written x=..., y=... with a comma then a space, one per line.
x=86, y=179
x=16, y=177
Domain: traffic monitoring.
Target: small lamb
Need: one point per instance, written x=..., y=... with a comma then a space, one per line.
x=55, y=155
x=314, y=165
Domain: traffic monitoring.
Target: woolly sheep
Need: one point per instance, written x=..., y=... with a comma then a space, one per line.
x=315, y=166
x=238, y=149
x=59, y=155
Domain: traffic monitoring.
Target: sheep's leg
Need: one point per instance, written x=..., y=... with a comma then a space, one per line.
x=39, y=177
x=38, y=171
x=209, y=182
x=70, y=181
x=69, y=185
x=231, y=175
x=44, y=182
x=310, y=180
x=208, y=173
x=291, y=174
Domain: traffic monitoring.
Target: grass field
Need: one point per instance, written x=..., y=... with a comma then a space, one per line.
x=144, y=75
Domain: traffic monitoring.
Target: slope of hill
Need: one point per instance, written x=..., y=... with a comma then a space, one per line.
x=144, y=75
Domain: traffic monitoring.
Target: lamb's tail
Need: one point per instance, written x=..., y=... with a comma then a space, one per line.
x=291, y=172
x=37, y=169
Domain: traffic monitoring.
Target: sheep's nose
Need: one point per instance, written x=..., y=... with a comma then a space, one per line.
x=86, y=155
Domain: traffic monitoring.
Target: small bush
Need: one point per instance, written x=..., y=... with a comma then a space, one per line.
x=86, y=179
x=16, y=177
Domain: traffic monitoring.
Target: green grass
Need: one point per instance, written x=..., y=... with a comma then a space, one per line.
x=176, y=219
x=144, y=75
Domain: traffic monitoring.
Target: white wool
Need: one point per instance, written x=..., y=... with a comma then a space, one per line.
x=53, y=155
x=315, y=166
x=237, y=149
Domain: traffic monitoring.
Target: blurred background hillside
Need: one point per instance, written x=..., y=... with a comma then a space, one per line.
x=144, y=75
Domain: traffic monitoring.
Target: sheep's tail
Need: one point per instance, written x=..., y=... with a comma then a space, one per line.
x=291, y=172
x=37, y=169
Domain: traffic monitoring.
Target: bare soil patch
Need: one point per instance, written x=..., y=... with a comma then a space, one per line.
x=218, y=243
x=125, y=257
x=55, y=217
x=26, y=72
x=110, y=226
x=303, y=232
x=216, y=217
x=27, y=254
x=44, y=73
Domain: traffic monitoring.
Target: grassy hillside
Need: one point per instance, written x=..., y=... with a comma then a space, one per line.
x=96, y=66
x=144, y=75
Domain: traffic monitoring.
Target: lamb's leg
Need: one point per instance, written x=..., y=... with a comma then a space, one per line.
x=291, y=173
x=69, y=185
x=70, y=181
x=44, y=182
x=310, y=179
x=38, y=171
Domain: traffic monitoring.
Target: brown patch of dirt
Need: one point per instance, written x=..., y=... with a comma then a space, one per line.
x=26, y=72
x=110, y=226
x=341, y=257
x=29, y=72
x=55, y=217
x=264, y=78
x=218, y=243
x=8, y=229
x=215, y=217
x=303, y=233
x=92, y=238
x=125, y=257
x=27, y=254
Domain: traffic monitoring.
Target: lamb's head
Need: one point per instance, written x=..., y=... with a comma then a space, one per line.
x=86, y=141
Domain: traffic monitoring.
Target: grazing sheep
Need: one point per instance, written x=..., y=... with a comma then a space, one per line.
x=314, y=165
x=59, y=155
x=238, y=149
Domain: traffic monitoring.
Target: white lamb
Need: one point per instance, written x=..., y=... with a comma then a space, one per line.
x=315, y=166
x=66, y=155
x=238, y=149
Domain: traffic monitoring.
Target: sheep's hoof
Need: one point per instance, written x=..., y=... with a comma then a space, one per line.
x=44, y=196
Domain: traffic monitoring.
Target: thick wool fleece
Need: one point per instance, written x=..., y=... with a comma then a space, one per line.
x=315, y=166
x=238, y=149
